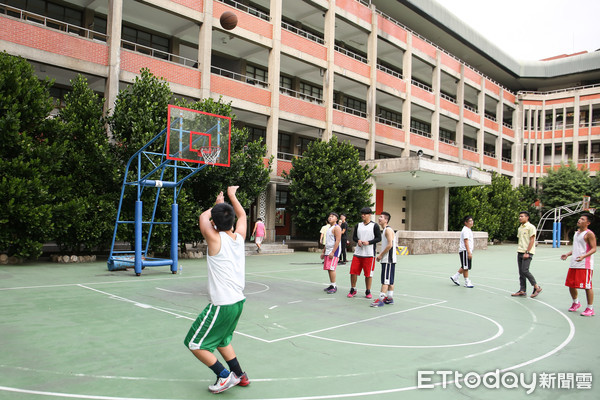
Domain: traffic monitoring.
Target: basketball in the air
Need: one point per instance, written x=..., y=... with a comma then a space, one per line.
x=228, y=20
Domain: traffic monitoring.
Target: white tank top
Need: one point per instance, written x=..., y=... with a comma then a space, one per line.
x=330, y=242
x=580, y=247
x=365, y=232
x=227, y=271
x=391, y=254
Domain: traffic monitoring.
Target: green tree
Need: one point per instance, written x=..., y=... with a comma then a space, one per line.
x=86, y=189
x=494, y=208
x=26, y=159
x=328, y=177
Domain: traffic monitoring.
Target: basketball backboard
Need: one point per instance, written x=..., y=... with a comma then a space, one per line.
x=190, y=132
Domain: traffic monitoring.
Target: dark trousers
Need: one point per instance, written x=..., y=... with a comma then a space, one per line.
x=524, y=274
x=343, y=254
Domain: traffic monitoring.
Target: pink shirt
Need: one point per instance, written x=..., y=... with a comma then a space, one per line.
x=260, y=229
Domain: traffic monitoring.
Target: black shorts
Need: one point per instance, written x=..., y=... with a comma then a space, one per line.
x=388, y=270
x=465, y=261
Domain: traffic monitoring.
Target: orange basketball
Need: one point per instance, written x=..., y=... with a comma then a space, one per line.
x=228, y=20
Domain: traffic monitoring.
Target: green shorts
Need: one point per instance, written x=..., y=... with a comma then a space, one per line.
x=214, y=327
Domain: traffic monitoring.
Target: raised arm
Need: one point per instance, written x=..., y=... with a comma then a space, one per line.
x=206, y=227
x=240, y=226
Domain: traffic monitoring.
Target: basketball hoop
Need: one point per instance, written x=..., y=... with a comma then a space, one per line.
x=592, y=210
x=210, y=154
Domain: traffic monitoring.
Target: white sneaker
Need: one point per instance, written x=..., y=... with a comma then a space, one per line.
x=455, y=280
x=468, y=283
x=222, y=384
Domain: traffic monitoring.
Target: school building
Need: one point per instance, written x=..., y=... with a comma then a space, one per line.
x=423, y=97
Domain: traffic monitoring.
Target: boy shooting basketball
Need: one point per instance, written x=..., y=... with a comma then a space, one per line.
x=213, y=329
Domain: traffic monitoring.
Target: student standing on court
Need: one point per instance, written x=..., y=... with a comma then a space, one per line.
x=388, y=261
x=525, y=252
x=582, y=264
x=331, y=251
x=213, y=329
x=323, y=232
x=259, y=234
x=465, y=252
x=366, y=235
x=344, y=226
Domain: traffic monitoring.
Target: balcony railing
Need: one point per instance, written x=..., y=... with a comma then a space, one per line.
x=422, y=86
x=490, y=117
x=470, y=148
x=468, y=107
x=389, y=71
x=351, y=54
x=52, y=23
x=238, y=77
x=388, y=122
x=302, y=33
x=287, y=156
x=489, y=153
x=420, y=132
x=448, y=141
x=300, y=95
x=449, y=98
x=506, y=124
x=349, y=110
x=505, y=159
x=163, y=55
x=247, y=9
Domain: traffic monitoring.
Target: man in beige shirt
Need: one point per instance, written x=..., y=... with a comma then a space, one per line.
x=525, y=252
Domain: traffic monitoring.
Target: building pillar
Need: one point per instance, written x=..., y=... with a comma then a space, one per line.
x=267, y=210
x=273, y=78
x=460, y=99
x=435, y=118
x=115, y=21
x=481, y=130
x=328, y=76
x=443, y=207
x=372, y=90
x=406, y=105
x=205, y=49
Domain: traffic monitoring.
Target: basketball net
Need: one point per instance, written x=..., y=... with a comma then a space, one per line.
x=210, y=154
x=585, y=204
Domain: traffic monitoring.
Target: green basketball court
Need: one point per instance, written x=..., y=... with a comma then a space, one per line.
x=81, y=331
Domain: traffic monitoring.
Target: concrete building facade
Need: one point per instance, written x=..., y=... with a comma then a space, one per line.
x=299, y=71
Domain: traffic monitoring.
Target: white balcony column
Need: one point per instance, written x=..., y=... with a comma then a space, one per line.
x=115, y=21
x=204, y=49
x=372, y=90
x=328, y=76
x=406, y=105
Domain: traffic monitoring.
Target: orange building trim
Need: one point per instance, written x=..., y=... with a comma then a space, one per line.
x=470, y=156
x=349, y=63
x=303, y=44
x=245, y=20
x=421, y=141
x=492, y=87
x=449, y=106
x=424, y=47
x=197, y=5
x=391, y=80
x=389, y=132
x=451, y=62
x=491, y=161
x=240, y=90
x=448, y=149
x=391, y=28
x=349, y=120
x=301, y=107
x=560, y=101
x=355, y=8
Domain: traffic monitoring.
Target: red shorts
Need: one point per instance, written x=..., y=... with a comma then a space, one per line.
x=579, y=278
x=359, y=264
x=330, y=264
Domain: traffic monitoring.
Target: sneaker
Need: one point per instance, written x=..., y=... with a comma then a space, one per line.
x=222, y=384
x=575, y=307
x=453, y=279
x=328, y=288
x=377, y=303
x=244, y=381
x=536, y=292
x=332, y=290
x=352, y=293
x=368, y=295
x=468, y=283
x=388, y=300
x=589, y=312
x=519, y=293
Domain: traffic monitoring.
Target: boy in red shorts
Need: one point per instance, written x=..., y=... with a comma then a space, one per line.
x=366, y=235
x=582, y=264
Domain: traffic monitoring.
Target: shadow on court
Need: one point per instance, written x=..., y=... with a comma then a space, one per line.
x=81, y=331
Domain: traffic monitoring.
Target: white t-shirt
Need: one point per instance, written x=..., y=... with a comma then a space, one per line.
x=466, y=233
x=384, y=242
x=227, y=271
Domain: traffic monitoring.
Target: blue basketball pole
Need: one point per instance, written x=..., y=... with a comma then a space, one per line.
x=174, y=237
x=554, y=234
x=558, y=233
x=138, y=237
